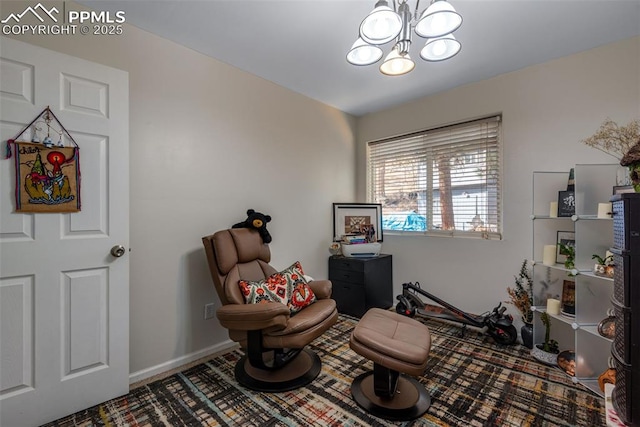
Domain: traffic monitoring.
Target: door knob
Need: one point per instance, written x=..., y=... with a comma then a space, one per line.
x=117, y=251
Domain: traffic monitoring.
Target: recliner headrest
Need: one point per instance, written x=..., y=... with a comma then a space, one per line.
x=238, y=245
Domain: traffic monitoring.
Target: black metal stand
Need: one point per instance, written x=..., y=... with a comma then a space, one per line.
x=388, y=394
x=300, y=371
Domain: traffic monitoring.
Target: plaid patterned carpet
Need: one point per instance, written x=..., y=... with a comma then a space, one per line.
x=472, y=382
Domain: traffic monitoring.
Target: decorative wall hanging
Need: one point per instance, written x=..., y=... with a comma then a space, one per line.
x=47, y=173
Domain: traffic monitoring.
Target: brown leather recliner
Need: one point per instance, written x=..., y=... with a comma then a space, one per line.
x=272, y=338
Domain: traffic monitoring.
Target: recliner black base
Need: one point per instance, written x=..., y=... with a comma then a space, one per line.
x=298, y=372
x=387, y=394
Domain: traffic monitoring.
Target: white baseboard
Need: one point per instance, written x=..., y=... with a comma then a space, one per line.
x=180, y=361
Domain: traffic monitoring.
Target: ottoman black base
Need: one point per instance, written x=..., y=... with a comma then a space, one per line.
x=409, y=401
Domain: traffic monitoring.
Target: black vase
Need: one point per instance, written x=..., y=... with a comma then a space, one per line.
x=526, y=332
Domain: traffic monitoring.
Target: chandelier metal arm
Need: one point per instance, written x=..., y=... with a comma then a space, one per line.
x=415, y=12
x=404, y=38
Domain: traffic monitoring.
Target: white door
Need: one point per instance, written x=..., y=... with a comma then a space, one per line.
x=64, y=299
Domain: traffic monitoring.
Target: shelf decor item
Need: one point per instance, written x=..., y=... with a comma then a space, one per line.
x=546, y=352
x=566, y=204
x=553, y=306
x=567, y=362
x=632, y=161
x=549, y=345
x=621, y=142
x=521, y=297
x=526, y=333
x=604, y=266
x=604, y=210
x=335, y=248
x=571, y=183
x=569, y=252
x=568, y=298
x=607, y=327
x=549, y=255
x=622, y=189
x=608, y=376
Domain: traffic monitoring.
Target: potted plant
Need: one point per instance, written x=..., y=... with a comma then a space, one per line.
x=546, y=352
x=604, y=266
x=570, y=252
x=521, y=296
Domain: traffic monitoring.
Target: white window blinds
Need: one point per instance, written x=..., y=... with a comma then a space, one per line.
x=443, y=181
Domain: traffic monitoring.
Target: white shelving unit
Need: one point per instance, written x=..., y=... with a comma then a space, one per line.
x=593, y=235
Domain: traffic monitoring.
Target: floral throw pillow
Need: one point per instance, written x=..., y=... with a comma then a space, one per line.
x=288, y=287
x=301, y=297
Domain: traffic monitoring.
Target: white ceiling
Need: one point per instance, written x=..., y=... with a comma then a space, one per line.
x=301, y=44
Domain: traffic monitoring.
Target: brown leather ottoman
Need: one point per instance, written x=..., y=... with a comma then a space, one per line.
x=398, y=346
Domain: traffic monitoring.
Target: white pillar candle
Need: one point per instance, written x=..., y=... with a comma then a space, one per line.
x=549, y=255
x=553, y=210
x=604, y=210
x=553, y=306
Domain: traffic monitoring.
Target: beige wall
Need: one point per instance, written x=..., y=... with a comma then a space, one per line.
x=547, y=109
x=207, y=142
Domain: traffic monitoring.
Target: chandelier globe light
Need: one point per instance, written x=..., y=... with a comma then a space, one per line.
x=362, y=53
x=438, y=19
x=440, y=48
x=384, y=24
x=397, y=63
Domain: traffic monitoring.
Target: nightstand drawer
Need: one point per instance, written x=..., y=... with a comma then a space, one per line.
x=346, y=264
x=351, y=276
x=350, y=299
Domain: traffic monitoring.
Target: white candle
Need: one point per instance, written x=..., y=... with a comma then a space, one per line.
x=553, y=306
x=549, y=255
x=604, y=210
x=553, y=210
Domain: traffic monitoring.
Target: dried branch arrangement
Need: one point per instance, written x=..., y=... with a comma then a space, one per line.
x=613, y=139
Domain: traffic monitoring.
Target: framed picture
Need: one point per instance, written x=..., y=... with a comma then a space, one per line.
x=565, y=238
x=620, y=189
x=566, y=203
x=353, y=218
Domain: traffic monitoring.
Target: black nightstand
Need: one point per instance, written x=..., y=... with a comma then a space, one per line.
x=361, y=283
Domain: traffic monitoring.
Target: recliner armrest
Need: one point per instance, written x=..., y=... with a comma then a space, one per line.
x=321, y=288
x=251, y=317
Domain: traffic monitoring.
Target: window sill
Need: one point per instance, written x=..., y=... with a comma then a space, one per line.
x=453, y=234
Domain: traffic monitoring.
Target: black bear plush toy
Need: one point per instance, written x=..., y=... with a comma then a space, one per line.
x=258, y=221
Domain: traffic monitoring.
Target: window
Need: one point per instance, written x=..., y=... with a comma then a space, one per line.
x=443, y=181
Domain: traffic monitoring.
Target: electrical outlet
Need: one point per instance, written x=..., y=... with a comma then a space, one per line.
x=209, y=311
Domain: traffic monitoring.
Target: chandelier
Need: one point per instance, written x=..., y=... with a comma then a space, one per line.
x=384, y=24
